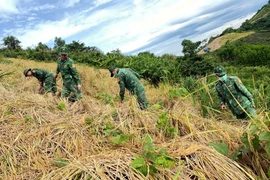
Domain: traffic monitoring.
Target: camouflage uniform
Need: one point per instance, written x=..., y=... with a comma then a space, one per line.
x=71, y=78
x=44, y=77
x=232, y=92
x=130, y=80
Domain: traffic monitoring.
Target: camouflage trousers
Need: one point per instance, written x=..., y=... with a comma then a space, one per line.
x=141, y=97
x=71, y=91
x=50, y=84
x=250, y=113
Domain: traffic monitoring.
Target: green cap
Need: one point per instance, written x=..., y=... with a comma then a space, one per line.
x=26, y=71
x=111, y=70
x=63, y=50
x=220, y=71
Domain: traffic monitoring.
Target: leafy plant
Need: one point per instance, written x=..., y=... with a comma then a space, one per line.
x=151, y=158
x=220, y=147
x=164, y=124
x=60, y=162
x=61, y=106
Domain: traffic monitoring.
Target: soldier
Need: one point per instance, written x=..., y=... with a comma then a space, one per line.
x=232, y=92
x=130, y=80
x=44, y=77
x=71, y=78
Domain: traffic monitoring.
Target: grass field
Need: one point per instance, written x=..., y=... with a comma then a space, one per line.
x=45, y=137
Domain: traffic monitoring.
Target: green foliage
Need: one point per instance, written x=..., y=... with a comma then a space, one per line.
x=164, y=125
x=151, y=158
x=89, y=121
x=61, y=106
x=220, y=147
x=27, y=118
x=174, y=93
x=245, y=54
x=60, y=162
x=107, y=99
x=121, y=139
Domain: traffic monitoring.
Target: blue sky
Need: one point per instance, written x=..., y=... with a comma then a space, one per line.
x=133, y=26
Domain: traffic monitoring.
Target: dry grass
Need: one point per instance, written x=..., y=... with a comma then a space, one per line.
x=44, y=137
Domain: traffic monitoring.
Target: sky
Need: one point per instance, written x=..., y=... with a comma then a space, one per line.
x=132, y=26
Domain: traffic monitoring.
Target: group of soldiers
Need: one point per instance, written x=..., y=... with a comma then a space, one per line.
x=230, y=89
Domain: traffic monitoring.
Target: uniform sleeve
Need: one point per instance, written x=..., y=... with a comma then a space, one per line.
x=122, y=87
x=57, y=69
x=244, y=90
x=74, y=73
x=136, y=74
x=220, y=97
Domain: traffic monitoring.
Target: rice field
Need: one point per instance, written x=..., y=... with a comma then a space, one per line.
x=46, y=137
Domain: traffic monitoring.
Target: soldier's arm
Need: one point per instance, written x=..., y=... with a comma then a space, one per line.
x=57, y=70
x=122, y=87
x=75, y=74
x=135, y=73
x=220, y=97
x=244, y=90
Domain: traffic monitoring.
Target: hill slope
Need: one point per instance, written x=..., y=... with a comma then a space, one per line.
x=97, y=138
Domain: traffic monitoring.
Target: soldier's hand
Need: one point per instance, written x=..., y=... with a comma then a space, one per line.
x=79, y=86
x=121, y=101
x=55, y=76
x=223, y=106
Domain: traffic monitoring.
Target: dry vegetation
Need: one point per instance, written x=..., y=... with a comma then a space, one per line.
x=221, y=41
x=44, y=137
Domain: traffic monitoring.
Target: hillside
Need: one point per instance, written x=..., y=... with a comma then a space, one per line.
x=227, y=38
x=253, y=31
x=44, y=137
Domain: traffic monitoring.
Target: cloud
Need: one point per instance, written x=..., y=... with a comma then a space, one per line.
x=46, y=31
x=8, y=7
x=131, y=26
x=71, y=3
x=100, y=2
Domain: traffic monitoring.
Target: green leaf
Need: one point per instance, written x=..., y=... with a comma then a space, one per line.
x=60, y=162
x=267, y=148
x=264, y=136
x=268, y=173
x=152, y=170
x=256, y=142
x=253, y=129
x=222, y=147
x=244, y=139
x=137, y=162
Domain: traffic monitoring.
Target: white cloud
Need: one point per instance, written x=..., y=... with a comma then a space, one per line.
x=71, y=3
x=43, y=7
x=100, y=2
x=46, y=31
x=145, y=22
x=8, y=6
x=127, y=25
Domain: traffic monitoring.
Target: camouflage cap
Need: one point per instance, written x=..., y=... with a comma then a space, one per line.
x=26, y=71
x=63, y=50
x=220, y=71
x=111, y=70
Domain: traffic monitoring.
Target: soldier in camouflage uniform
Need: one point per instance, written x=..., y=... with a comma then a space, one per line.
x=71, y=78
x=44, y=77
x=130, y=80
x=232, y=92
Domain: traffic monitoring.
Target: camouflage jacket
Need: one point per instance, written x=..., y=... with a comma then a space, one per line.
x=41, y=74
x=234, y=94
x=68, y=71
x=128, y=79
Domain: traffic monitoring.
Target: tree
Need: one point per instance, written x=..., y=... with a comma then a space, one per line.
x=58, y=42
x=42, y=47
x=190, y=48
x=76, y=46
x=11, y=43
